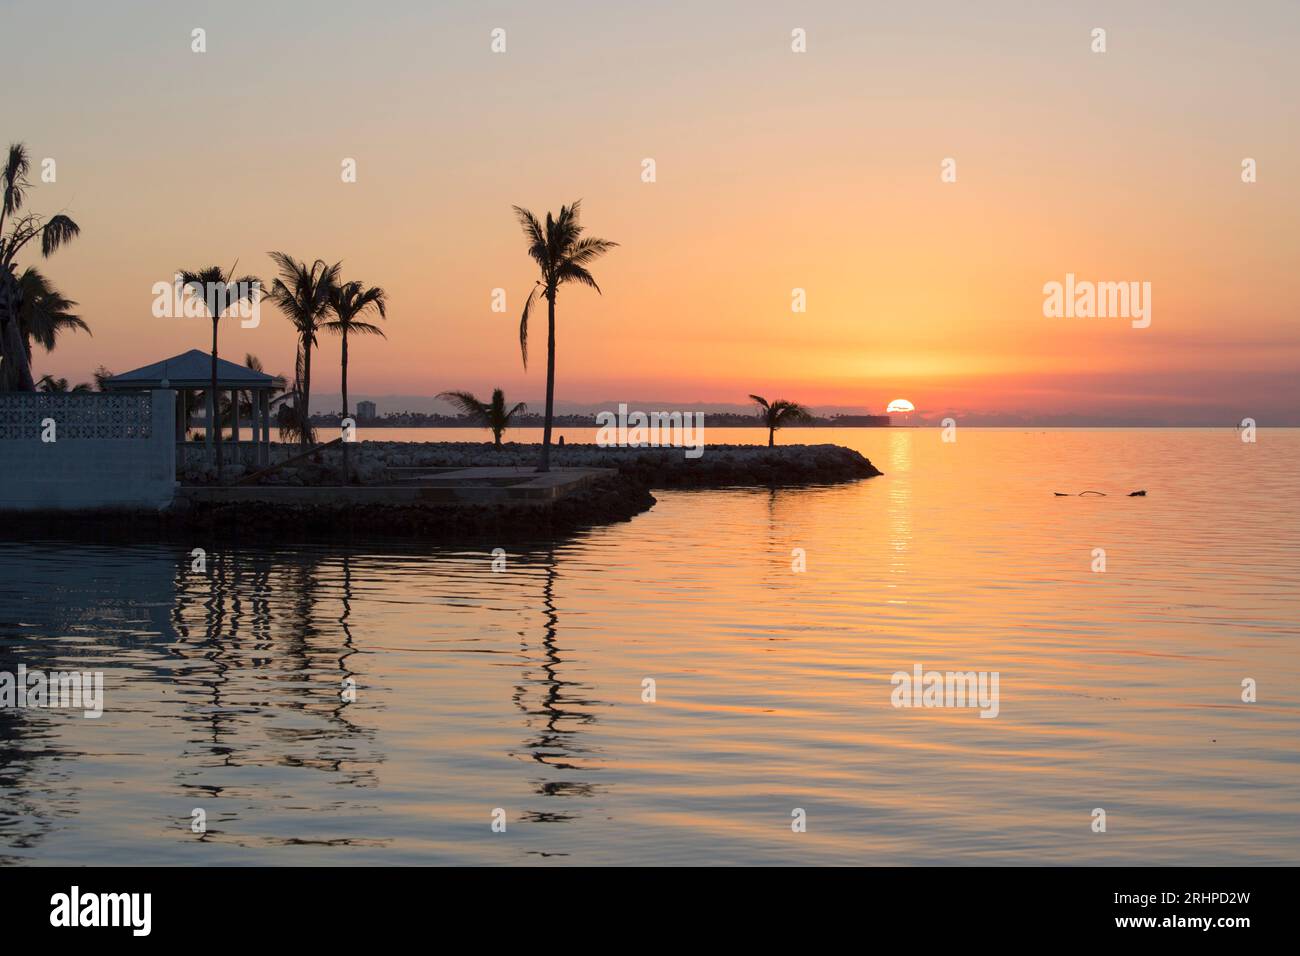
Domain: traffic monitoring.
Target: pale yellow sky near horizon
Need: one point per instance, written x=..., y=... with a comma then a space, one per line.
x=775, y=170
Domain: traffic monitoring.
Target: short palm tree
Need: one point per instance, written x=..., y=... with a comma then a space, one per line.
x=302, y=292
x=778, y=414
x=45, y=312
x=348, y=301
x=226, y=414
x=49, y=383
x=492, y=415
x=562, y=255
x=15, y=369
x=246, y=409
x=218, y=291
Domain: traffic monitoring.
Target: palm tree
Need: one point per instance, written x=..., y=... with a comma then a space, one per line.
x=778, y=414
x=225, y=412
x=49, y=383
x=292, y=428
x=15, y=369
x=347, y=302
x=286, y=419
x=44, y=312
x=562, y=256
x=246, y=410
x=492, y=415
x=302, y=293
x=217, y=290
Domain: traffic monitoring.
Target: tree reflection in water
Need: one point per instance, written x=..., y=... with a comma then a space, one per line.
x=555, y=711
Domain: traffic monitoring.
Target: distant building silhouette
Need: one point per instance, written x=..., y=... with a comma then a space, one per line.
x=366, y=411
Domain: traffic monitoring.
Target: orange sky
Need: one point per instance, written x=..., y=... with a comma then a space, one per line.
x=775, y=170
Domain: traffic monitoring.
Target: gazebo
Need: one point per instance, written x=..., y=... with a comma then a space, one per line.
x=193, y=370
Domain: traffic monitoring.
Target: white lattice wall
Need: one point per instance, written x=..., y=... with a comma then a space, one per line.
x=109, y=450
x=78, y=414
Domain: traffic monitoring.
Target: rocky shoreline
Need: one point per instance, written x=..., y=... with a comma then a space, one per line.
x=719, y=466
x=609, y=499
x=605, y=501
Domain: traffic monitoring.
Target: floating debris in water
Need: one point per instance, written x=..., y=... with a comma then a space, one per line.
x=1101, y=494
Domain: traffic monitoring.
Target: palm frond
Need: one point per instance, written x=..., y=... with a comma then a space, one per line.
x=570, y=272
x=291, y=425
x=288, y=266
x=589, y=249
x=202, y=277
x=567, y=228
x=48, y=383
x=44, y=312
x=15, y=178
x=338, y=327
x=59, y=231
x=784, y=413
x=467, y=402
x=245, y=289
x=532, y=228
x=523, y=323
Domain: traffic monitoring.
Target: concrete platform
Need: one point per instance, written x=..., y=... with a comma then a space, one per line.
x=417, y=486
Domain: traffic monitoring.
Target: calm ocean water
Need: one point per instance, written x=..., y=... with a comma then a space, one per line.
x=522, y=690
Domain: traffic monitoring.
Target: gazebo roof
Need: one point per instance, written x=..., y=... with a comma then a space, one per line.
x=192, y=369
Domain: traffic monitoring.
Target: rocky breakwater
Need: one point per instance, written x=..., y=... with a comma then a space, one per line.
x=323, y=508
x=346, y=513
x=719, y=466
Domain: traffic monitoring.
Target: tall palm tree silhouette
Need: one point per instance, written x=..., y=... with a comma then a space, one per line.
x=16, y=371
x=779, y=414
x=348, y=301
x=218, y=291
x=562, y=255
x=302, y=292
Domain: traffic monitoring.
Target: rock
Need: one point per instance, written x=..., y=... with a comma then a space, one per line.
x=718, y=466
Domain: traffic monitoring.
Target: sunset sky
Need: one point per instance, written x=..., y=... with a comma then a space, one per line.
x=775, y=170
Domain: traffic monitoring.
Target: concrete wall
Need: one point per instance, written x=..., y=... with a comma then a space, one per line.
x=109, y=450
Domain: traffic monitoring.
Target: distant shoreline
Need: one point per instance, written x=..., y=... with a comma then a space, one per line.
x=333, y=422
x=720, y=420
